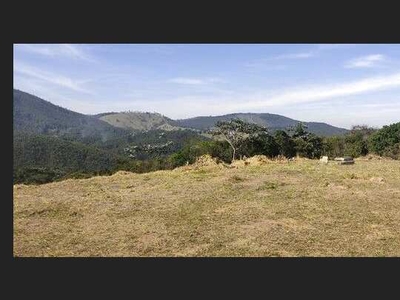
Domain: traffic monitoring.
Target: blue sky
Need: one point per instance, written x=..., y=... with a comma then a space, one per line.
x=340, y=84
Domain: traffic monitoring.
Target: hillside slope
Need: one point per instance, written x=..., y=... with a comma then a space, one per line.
x=35, y=115
x=271, y=121
x=139, y=121
x=301, y=208
x=32, y=114
x=40, y=158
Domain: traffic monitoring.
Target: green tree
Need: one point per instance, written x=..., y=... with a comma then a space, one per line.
x=386, y=138
x=356, y=141
x=306, y=144
x=236, y=132
x=285, y=143
x=334, y=146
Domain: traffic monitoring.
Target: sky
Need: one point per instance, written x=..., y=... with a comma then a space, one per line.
x=339, y=84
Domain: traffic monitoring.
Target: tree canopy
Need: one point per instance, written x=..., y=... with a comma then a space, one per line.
x=237, y=131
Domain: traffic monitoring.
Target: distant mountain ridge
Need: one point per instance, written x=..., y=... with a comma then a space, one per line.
x=272, y=121
x=143, y=121
x=33, y=114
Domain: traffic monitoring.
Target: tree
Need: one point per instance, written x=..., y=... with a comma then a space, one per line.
x=334, y=146
x=286, y=145
x=386, y=138
x=307, y=144
x=262, y=143
x=236, y=132
x=356, y=141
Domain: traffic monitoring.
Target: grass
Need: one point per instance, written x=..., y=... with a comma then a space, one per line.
x=300, y=208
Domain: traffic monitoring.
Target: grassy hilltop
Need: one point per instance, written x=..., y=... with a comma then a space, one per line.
x=262, y=208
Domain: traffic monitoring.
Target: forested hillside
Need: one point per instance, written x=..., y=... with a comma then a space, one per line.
x=52, y=143
x=40, y=158
x=272, y=121
x=35, y=115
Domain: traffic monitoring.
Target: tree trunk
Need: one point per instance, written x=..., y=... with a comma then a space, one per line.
x=233, y=148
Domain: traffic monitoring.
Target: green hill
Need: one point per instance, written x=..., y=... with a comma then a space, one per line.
x=139, y=121
x=271, y=121
x=39, y=158
x=35, y=115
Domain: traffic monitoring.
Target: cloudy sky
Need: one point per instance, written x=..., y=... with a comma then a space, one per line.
x=340, y=84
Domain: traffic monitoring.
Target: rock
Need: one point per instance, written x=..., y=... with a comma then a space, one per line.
x=324, y=159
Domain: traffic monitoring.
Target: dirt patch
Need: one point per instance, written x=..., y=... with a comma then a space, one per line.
x=336, y=186
x=373, y=157
x=267, y=225
x=256, y=160
x=378, y=232
x=377, y=179
x=203, y=162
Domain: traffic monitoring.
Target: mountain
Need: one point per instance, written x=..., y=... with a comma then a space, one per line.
x=144, y=121
x=34, y=115
x=139, y=121
x=51, y=142
x=271, y=121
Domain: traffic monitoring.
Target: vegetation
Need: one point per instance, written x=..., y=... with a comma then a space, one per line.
x=140, y=121
x=299, y=208
x=386, y=141
x=34, y=115
x=41, y=159
x=53, y=143
x=286, y=145
x=238, y=133
x=194, y=149
x=261, y=206
x=271, y=121
x=306, y=144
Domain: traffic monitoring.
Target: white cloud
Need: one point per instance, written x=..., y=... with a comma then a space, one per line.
x=265, y=63
x=321, y=92
x=367, y=61
x=299, y=55
x=56, y=50
x=292, y=56
x=264, y=66
x=306, y=103
x=334, y=46
x=266, y=101
x=190, y=81
x=59, y=80
x=196, y=81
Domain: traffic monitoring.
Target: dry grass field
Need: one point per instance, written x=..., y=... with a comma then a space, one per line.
x=259, y=208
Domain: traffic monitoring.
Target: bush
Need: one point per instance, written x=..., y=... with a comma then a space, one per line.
x=392, y=151
x=285, y=144
x=36, y=175
x=385, y=139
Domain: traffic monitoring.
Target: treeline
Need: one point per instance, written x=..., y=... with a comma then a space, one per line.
x=256, y=141
x=297, y=141
x=362, y=140
x=41, y=159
